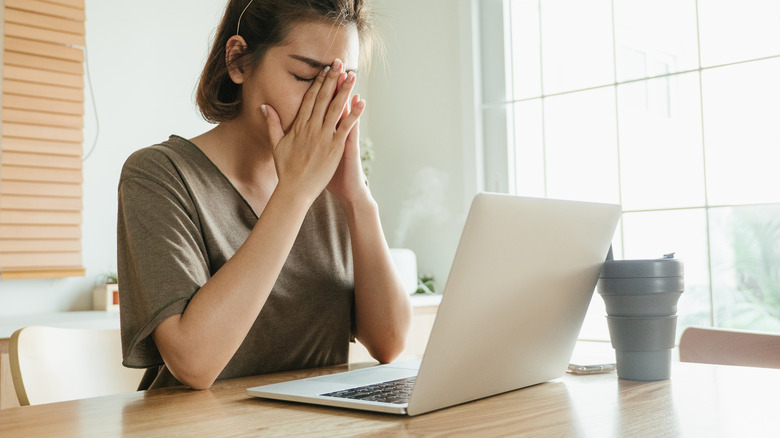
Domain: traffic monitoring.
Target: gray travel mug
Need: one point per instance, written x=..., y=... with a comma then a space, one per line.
x=641, y=299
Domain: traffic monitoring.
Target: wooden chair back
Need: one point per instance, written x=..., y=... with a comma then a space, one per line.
x=730, y=347
x=51, y=364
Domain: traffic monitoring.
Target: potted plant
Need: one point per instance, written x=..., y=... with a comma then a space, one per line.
x=105, y=296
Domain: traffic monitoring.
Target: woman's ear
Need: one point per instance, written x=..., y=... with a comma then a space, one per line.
x=235, y=46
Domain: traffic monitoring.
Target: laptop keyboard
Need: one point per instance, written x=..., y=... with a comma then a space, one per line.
x=394, y=391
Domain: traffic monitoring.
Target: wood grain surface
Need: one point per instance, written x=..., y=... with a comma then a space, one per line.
x=699, y=400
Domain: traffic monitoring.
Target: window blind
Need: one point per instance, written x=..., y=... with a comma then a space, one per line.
x=42, y=137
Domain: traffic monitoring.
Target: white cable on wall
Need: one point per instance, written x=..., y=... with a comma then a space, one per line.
x=94, y=103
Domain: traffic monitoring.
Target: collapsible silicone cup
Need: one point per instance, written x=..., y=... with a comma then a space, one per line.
x=638, y=333
x=643, y=345
x=641, y=287
x=641, y=300
x=645, y=366
x=657, y=304
x=647, y=268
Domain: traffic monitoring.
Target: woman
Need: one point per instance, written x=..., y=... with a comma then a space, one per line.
x=256, y=246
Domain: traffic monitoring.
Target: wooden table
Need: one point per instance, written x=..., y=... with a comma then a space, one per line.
x=699, y=401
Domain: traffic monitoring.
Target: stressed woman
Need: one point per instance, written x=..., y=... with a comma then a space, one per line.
x=257, y=246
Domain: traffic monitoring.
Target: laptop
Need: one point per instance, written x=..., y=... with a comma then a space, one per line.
x=519, y=286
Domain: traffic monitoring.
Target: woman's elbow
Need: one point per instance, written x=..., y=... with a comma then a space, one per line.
x=385, y=358
x=195, y=380
x=187, y=362
x=388, y=351
x=200, y=386
x=192, y=375
x=191, y=370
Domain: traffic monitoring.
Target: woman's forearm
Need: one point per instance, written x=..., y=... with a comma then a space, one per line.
x=197, y=345
x=383, y=312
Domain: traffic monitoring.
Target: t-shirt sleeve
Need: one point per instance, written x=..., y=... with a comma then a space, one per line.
x=161, y=258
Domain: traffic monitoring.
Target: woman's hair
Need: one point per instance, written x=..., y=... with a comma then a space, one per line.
x=263, y=25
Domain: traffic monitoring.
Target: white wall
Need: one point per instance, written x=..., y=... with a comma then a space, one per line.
x=145, y=57
x=420, y=108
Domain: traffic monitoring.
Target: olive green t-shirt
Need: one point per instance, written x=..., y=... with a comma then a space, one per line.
x=180, y=219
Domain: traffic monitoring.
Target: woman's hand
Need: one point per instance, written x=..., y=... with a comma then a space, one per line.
x=349, y=183
x=307, y=156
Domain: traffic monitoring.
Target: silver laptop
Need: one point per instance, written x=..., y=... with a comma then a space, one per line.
x=520, y=284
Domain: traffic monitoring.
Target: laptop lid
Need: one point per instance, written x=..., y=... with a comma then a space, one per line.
x=518, y=290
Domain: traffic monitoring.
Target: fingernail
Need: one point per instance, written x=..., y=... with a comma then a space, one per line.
x=361, y=104
x=325, y=70
x=264, y=110
x=351, y=77
x=337, y=64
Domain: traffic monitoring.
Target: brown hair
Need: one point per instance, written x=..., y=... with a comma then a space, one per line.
x=266, y=24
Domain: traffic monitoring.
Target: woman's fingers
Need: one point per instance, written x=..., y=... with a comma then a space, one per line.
x=275, y=131
x=353, y=102
x=309, y=99
x=326, y=92
x=349, y=122
x=339, y=103
x=347, y=108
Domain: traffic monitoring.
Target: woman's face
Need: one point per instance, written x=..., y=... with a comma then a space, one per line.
x=286, y=72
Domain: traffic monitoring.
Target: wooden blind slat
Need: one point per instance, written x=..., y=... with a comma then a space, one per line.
x=42, y=90
x=45, y=119
x=39, y=189
x=8, y=246
x=48, y=272
x=48, y=8
x=56, y=51
x=42, y=76
x=22, y=217
x=78, y=4
x=41, y=160
x=47, y=36
x=24, y=173
x=26, y=145
x=39, y=260
x=44, y=21
x=40, y=231
x=42, y=132
x=44, y=105
x=43, y=63
x=45, y=203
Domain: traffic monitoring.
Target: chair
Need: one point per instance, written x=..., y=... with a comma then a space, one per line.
x=51, y=364
x=730, y=347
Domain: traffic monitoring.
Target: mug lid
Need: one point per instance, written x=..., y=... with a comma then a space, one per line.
x=667, y=266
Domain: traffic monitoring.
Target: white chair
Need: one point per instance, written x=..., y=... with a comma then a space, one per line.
x=51, y=364
x=730, y=347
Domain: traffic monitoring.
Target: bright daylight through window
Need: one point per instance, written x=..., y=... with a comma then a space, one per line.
x=671, y=108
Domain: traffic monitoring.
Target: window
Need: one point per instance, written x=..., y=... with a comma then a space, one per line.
x=670, y=108
x=40, y=154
